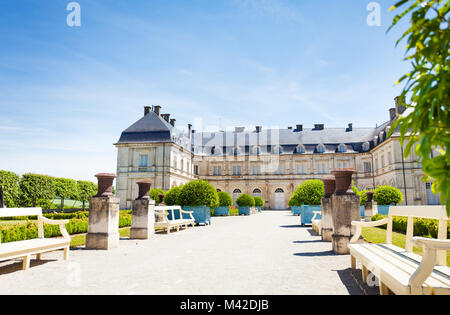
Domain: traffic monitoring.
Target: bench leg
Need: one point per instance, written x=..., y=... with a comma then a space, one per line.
x=178, y=228
x=384, y=290
x=353, y=262
x=365, y=274
x=26, y=262
x=66, y=253
x=39, y=256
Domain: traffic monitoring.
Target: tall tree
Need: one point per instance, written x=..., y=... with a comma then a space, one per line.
x=65, y=188
x=427, y=86
x=86, y=190
x=37, y=190
x=10, y=187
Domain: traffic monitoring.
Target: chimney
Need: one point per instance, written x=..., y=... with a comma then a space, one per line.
x=193, y=131
x=399, y=104
x=299, y=128
x=289, y=128
x=350, y=127
x=239, y=129
x=392, y=113
x=166, y=117
x=147, y=110
x=157, y=109
x=319, y=126
x=258, y=129
x=172, y=122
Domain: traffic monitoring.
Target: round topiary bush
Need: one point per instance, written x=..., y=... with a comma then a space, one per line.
x=171, y=197
x=259, y=202
x=245, y=200
x=310, y=192
x=198, y=193
x=387, y=195
x=362, y=197
x=154, y=194
x=225, y=199
x=295, y=200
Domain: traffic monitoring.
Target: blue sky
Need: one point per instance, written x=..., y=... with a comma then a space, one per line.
x=66, y=93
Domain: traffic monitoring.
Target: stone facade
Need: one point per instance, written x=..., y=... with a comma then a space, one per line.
x=266, y=163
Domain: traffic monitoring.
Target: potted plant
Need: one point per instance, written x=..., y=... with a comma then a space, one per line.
x=199, y=196
x=171, y=198
x=344, y=180
x=295, y=203
x=245, y=202
x=259, y=203
x=310, y=193
x=387, y=196
x=225, y=202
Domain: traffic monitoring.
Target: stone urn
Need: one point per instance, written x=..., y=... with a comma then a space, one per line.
x=144, y=189
x=330, y=186
x=105, y=182
x=344, y=181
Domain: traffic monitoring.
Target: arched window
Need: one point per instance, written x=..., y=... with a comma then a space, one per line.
x=218, y=190
x=300, y=149
x=342, y=148
x=215, y=151
x=320, y=148
x=237, y=191
x=257, y=192
x=279, y=190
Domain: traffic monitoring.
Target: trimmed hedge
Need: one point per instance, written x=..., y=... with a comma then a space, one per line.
x=245, y=200
x=422, y=227
x=171, y=198
x=199, y=193
x=387, y=195
x=225, y=199
x=259, y=202
x=310, y=193
x=78, y=223
x=10, y=184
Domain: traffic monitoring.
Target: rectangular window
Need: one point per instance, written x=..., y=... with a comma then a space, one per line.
x=299, y=170
x=237, y=171
x=195, y=169
x=219, y=171
x=143, y=161
x=367, y=168
x=215, y=171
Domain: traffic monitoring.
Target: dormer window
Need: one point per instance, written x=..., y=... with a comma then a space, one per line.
x=342, y=148
x=235, y=151
x=300, y=149
x=256, y=151
x=320, y=148
x=366, y=146
x=278, y=150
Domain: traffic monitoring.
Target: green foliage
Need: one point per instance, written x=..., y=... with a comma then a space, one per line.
x=422, y=227
x=259, y=202
x=86, y=190
x=245, y=200
x=387, y=195
x=225, y=199
x=78, y=223
x=37, y=190
x=199, y=193
x=363, y=197
x=154, y=194
x=171, y=197
x=65, y=188
x=10, y=184
x=427, y=85
x=310, y=192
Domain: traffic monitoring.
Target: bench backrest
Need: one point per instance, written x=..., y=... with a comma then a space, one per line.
x=172, y=210
x=19, y=212
x=424, y=212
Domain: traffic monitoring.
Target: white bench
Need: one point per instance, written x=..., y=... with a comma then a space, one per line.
x=398, y=269
x=316, y=223
x=24, y=249
x=164, y=222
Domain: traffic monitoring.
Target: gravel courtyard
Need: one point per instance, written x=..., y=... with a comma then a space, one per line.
x=268, y=253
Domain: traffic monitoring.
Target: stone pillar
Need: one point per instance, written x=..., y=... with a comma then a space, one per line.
x=143, y=219
x=370, y=209
x=327, y=219
x=346, y=208
x=103, y=228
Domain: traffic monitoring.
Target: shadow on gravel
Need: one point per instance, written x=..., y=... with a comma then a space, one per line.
x=303, y=242
x=17, y=266
x=316, y=254
x=352, y=280
x=291, y=226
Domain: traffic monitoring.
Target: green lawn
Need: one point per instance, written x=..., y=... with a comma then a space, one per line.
x=13, y=222
x=70, y=204
x=378, y=236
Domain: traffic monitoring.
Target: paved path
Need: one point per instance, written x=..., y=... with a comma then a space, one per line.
x=268, y=253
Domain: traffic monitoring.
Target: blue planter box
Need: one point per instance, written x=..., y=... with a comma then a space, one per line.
x=384, y=210
x=259, y=209
x=363, y=211
x=244, y=210
x=307, y=214
x=296, y=210
x=201, y=214
x=222, y=211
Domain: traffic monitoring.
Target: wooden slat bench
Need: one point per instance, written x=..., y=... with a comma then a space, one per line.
x=316, y=223
x=163, y=221
x=400, y=270
x=24, y=249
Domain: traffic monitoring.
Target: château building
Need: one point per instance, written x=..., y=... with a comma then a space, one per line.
x=269, y=163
